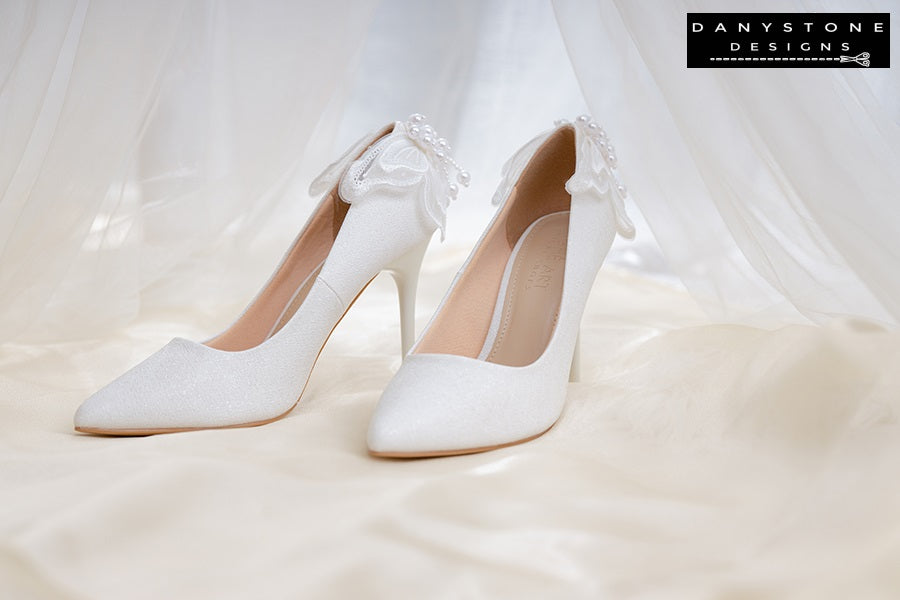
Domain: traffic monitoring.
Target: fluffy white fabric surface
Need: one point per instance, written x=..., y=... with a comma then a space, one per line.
x=694, y=461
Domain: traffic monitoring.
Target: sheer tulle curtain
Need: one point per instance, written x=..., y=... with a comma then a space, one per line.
x=771, y=191
x=156, y=157
x=147, y=147
x=159, y=156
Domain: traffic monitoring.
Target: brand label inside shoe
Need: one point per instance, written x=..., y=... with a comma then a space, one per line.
x=548, y=257
x=788, y=40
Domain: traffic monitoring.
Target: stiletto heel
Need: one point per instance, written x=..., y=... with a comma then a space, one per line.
x=381, y=203
x=405, y=271
x=575, y=369
x=491, y=367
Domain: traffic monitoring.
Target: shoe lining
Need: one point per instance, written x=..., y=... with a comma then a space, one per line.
x=527, y=306
x=463, y=324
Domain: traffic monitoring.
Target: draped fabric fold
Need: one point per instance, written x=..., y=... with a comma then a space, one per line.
x=769, y=190
x=145, y=146
x=129, y=177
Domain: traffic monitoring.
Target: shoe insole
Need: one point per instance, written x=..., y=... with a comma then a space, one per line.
x=528, y=302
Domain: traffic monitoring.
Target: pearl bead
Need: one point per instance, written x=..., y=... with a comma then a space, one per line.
x=593, y=126
x=612, y=160
x=623, y=191
x=609, y=148
x=582, y=118
x=440, y=153
x=602, y=145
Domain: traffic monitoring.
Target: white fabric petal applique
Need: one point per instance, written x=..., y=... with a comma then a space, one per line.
x=595, y=171
x=411, y=156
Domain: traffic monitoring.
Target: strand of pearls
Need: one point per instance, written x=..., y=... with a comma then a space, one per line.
x=425, y=137
x=598, y=136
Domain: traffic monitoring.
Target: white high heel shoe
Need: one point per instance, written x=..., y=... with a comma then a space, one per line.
x=385, y=198
x=490, y=370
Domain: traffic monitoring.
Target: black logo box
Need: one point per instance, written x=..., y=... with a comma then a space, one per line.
x=779, y=40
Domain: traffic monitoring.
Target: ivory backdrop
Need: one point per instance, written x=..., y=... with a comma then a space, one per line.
x=736, y=433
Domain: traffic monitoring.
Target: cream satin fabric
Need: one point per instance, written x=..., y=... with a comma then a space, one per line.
x=693, y=461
